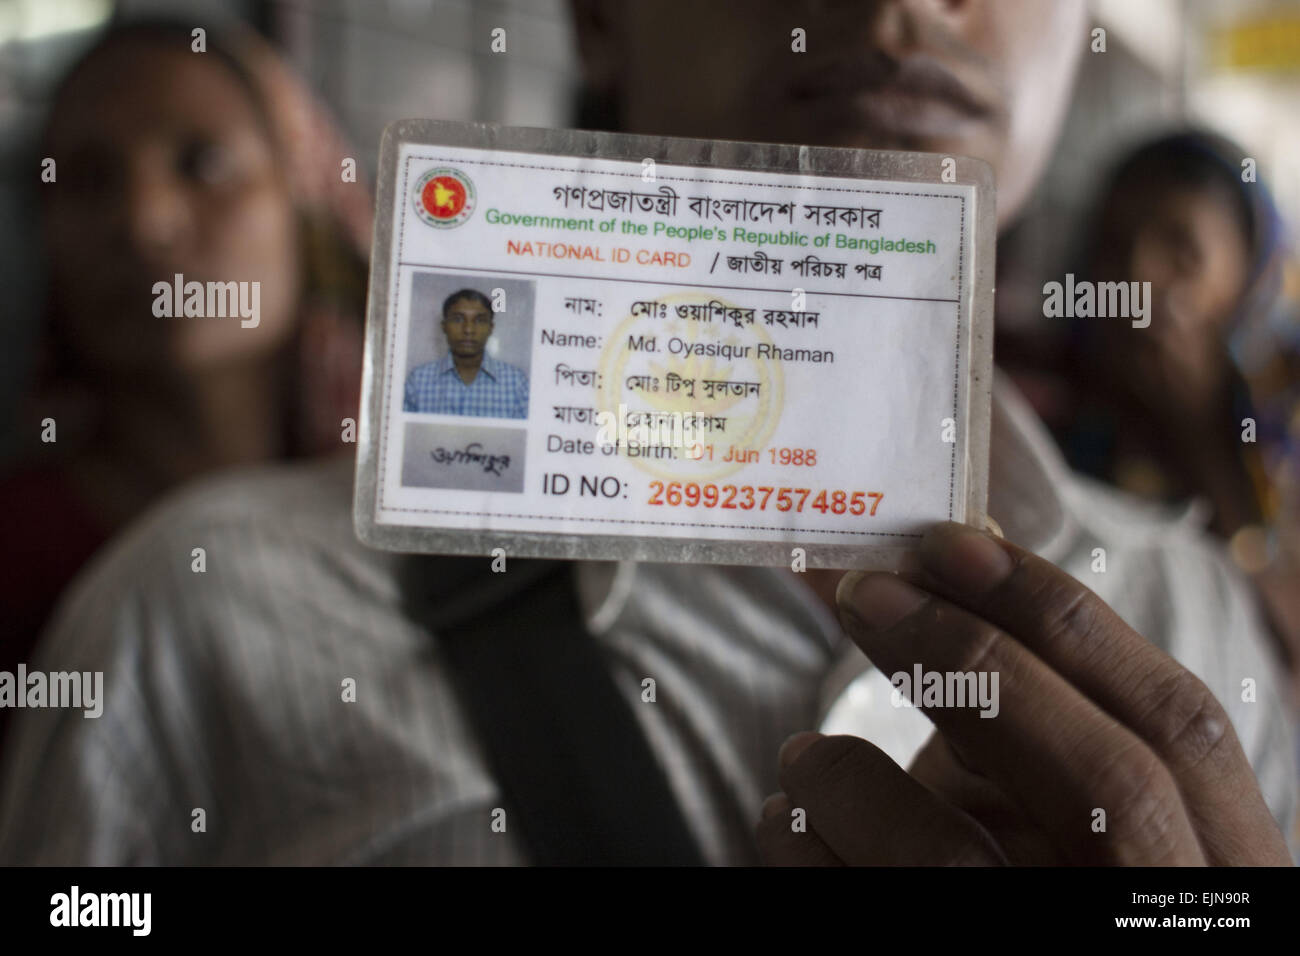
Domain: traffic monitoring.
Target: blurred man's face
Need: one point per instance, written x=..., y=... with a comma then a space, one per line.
x=467, y=325
x=985, y=78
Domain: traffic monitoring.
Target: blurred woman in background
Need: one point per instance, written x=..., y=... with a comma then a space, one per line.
x=215, y=165
x=1165, y=410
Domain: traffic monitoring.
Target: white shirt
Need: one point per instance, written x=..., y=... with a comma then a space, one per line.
x=223, y=689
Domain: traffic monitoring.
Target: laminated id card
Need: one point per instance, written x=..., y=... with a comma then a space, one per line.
x=603, y=346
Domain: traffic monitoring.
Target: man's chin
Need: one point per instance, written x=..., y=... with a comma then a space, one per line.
x=854, y=137
x=849, y=133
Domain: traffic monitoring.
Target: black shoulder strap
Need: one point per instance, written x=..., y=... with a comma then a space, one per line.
x=579, y=781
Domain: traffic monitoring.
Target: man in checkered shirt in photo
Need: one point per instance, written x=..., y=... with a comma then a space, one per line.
x=467, y=381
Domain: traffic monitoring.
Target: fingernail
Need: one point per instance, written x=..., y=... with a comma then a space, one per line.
x=968, y=560
x=878, y=600
x=795, y=745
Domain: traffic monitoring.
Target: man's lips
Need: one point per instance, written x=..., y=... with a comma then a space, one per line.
x=917, y=95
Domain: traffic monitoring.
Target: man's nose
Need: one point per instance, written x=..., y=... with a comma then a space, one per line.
x=897, y=25
x=943, y=9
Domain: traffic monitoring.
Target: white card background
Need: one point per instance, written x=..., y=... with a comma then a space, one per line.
x=874, y=416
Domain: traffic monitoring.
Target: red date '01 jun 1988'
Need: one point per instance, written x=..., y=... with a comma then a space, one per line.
x=777, y=456
x=747, y=498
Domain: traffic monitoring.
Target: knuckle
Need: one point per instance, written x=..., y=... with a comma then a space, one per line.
x=1149, y=833
x=1144, y=808
x=1069, y=615
x=1064, y=610
x=1186, y=723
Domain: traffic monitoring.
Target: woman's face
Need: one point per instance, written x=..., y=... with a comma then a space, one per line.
x=1191, y=250
x=163, y=167
x=1188, y=244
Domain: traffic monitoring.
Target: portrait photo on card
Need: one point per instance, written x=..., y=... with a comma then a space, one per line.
x=469, y=345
